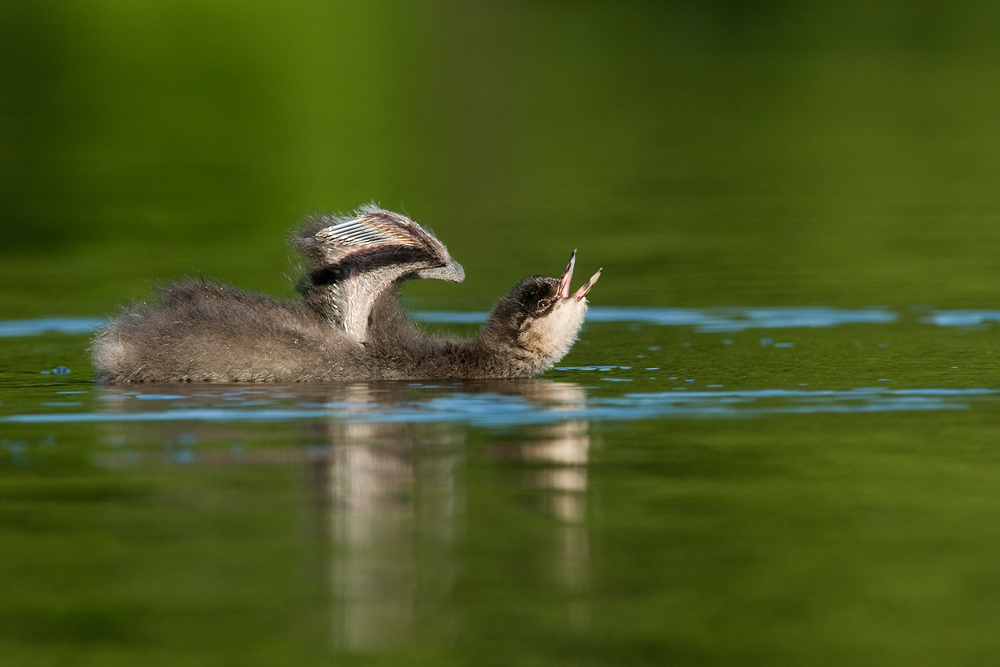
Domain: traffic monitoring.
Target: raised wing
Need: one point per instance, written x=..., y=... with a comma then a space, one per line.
x=359, y=257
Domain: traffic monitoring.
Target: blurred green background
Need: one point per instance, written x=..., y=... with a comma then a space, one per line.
x=704, y=153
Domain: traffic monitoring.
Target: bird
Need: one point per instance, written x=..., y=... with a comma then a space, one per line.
x=347, y=325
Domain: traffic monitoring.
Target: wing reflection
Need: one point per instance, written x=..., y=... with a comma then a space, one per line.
x=394, y=501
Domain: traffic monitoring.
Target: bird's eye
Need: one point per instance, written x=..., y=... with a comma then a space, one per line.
x=543, y=304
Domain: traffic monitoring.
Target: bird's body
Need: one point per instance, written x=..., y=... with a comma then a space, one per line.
x=348, y=326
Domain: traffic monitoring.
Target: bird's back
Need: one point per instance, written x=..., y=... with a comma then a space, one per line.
x=203, y=332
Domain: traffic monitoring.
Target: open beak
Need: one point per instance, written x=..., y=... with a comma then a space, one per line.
x=567, y=276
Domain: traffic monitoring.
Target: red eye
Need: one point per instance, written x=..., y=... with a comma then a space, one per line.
x=543, y=304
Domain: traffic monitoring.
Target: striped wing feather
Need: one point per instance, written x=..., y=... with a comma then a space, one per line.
x=358, y=258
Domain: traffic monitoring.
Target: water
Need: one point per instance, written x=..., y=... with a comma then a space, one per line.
x=519, y=403
x=648, y=500
x=774, y=443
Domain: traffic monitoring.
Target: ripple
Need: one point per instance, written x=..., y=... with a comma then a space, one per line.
x=705, y=320
x=489, y=409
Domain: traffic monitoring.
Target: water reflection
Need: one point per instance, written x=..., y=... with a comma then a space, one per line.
x=390, y=495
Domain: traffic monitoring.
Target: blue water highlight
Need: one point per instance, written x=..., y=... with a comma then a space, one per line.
x=64, y=325
x=491, y=409
x=708, y=320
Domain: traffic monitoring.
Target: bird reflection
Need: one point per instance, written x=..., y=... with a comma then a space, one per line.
x=389, y=490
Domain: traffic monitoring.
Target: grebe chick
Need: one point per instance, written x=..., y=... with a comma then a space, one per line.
x=349, y=324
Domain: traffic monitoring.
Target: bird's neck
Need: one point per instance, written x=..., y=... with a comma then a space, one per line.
x=323, y=292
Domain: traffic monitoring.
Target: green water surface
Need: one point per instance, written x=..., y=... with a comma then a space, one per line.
x=707, y=155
